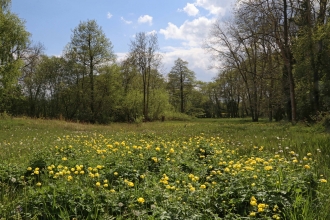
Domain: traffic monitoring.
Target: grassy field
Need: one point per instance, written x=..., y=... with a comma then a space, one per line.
x=199, y=169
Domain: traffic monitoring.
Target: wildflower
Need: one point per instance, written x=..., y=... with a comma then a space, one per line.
x=307, y=166
x=82, y=172
x=253, y=201
x=99, y=167
x=142, y=176
x=112, y=190
x=98, y=184
x=70, y=178
x=140, y=200
x=276, y=217
x=253, y=184
x=323, y=180
x=38, y=184
x=261, y=207
x=309, y=154
x=203, y=186
x=115, y=173
x=252, y=214
x=192, y=189
x=64, y=158
x=171, y=150
x=268, y=168
x=105, y=185
x=130, y=184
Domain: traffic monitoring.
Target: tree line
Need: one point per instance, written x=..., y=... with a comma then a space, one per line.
x=271, y=56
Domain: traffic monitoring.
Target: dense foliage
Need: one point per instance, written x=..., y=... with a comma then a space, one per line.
x=272, y=54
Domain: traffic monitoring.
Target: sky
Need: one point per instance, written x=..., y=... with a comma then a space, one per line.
x=181, y=25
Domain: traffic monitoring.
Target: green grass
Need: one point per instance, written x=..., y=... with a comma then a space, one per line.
x=197, y=169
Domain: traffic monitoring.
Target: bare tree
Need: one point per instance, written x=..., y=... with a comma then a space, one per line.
x=143, y=54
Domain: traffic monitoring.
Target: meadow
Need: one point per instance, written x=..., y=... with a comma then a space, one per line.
x=197, y=169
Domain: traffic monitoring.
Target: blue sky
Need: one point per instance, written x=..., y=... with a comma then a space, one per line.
x=181, y=25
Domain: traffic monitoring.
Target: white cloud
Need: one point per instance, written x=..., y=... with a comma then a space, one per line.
x=214, y=7
x=192, y=32
x=145, y=19
x=198, y=61
x=151, y=32
x=109, y=15
x=127, y=22
x=190, y=9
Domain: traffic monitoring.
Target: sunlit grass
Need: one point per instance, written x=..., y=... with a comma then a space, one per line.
x=199, y=169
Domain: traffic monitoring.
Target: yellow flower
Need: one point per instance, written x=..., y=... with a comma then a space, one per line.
x=295, y=161
x=203, y=186
x=192, y=189
x=323, y=180
x=64, y=158
x=171, y=150
x=82, y=172
x=253, y=201
x=142, y=176
x=106, y=185
x=115, y=173
x=36, y=172
x=70, y=178
x=98, y=184
x=38, y=184
x=112, y=190
x=268, y=168
x=307, y=166
x=309, y=154
x=253, y=184
x=140, y=200
x=130, y=184
x=105, y=181
x=252, y=214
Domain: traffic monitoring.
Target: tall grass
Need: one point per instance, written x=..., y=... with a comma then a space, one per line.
x=39, y=143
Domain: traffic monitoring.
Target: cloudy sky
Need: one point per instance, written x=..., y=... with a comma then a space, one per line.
x=181, y=25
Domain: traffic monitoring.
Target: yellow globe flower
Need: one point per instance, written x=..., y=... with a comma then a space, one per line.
x=141, y=200
x=323, y=180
